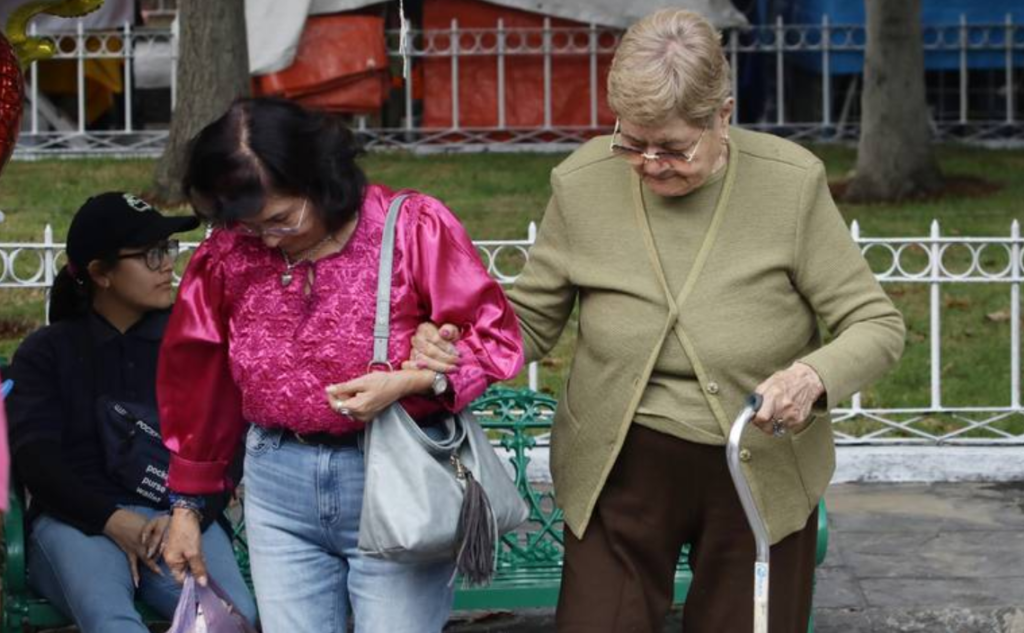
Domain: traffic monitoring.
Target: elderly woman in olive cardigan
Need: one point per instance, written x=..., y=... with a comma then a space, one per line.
x=703, y=259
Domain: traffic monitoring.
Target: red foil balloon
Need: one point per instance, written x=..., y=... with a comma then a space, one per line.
x=12, y=90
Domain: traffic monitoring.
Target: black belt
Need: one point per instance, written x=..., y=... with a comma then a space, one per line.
x=350, y=440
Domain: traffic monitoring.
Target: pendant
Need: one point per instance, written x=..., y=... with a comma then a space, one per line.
x=286, y=278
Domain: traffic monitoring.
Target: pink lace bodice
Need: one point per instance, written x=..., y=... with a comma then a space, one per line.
x=242, y=347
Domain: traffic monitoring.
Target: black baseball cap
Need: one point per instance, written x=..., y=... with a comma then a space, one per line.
x=114, y=220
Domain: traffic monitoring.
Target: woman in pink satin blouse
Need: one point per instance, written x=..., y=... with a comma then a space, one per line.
x=270, y=339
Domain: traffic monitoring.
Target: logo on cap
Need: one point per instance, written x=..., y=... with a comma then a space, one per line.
x=137, y=203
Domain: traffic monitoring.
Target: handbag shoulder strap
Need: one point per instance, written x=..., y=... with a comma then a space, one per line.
x=382, y=322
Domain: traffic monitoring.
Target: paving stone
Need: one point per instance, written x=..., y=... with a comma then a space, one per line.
x=837, y=588
x=943, y=592
x=915, y=555
x=926, y=507
x=951, y=620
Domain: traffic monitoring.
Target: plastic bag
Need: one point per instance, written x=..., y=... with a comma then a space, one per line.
x=206, y=610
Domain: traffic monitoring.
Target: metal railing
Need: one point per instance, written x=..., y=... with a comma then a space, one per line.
x=938, y=261
x=73, y=136
x=802, y=97
x=935, y=261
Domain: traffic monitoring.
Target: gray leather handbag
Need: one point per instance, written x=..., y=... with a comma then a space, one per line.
x=431, y=500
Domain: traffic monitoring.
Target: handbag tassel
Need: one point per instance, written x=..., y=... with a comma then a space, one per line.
x=477, y=534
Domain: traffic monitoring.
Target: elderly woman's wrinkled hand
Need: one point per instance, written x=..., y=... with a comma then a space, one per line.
x=788, y=396
x=434, y=348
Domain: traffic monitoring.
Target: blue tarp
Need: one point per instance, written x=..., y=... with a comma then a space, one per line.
x=940, y=19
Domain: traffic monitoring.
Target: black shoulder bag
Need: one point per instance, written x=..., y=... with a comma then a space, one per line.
x=133, y=451
x=129, y=433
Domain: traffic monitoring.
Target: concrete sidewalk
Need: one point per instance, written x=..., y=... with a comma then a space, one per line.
x=923, y=557
x=941, y=558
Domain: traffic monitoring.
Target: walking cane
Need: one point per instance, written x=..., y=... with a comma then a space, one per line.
x=739, y=479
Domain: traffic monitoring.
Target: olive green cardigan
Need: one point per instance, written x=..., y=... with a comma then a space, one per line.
x=776, y=258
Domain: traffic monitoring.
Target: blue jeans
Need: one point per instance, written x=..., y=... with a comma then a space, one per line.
x=88, y=579
x=302, y=508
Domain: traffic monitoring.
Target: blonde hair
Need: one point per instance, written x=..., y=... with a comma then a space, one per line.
x=669, y=64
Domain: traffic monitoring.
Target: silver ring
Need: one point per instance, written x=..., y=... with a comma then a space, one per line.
x=340, y=410
x=778, y=428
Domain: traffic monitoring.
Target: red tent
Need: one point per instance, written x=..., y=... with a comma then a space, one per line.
x=341, y=64
x=341, y=61
x=524, y=74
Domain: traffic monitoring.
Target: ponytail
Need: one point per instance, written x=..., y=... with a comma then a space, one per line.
x=69, y=298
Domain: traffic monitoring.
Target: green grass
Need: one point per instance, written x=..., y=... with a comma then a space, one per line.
x=497, y=195
x=976, y=349
x=34, y=194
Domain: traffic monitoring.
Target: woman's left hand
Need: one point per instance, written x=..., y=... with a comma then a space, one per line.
x=364, y=397
x=788, y=397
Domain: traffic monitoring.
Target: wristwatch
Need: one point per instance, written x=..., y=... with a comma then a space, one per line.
x=440, y=384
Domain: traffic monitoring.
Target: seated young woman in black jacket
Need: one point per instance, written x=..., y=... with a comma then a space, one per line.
x=83, y=403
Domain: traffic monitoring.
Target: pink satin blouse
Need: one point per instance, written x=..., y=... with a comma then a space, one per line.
x=243, y=348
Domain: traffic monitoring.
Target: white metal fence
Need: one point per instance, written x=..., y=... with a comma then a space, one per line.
x=51, y=130
x=940, y=262
x=799, y=95
x=935, y=261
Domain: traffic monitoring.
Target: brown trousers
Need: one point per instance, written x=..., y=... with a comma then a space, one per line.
x=663, y=493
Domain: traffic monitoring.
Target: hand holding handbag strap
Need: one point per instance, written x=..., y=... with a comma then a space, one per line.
x=477, y=532
x=382, y=322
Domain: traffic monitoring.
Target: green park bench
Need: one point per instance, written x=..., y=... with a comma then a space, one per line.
x=529, y=564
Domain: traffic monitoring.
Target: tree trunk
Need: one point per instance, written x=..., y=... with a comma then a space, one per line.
x=895, y=160
x=213, y=71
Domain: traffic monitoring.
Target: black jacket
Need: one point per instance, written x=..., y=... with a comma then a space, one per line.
x=59, y=372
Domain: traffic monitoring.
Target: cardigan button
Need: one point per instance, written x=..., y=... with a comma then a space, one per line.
x=712, y=388
x=744, y=455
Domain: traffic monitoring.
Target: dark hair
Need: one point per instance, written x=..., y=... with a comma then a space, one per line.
x=274, y=146
x=71, y=293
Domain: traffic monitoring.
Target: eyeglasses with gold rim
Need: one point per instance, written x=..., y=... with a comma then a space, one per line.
x=637, y=156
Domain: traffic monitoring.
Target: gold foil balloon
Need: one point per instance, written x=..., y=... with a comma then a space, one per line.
x=30, y=49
